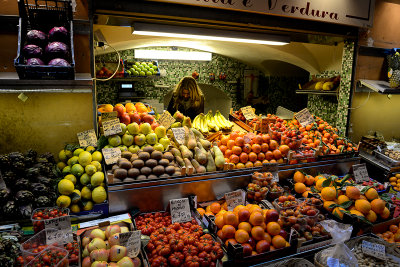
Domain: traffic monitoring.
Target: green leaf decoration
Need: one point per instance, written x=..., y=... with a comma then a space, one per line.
x=314, y=190
x=102, y=142
x=386, y=197
x=71, y=147
x=365, y=189
x=327, y=182
x=346, y=204
x=332, y=206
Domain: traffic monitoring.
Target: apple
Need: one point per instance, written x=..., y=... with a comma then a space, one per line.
x=133, y=128
x=123, y=148
x=271, y=216
x=135, y=117
x=160, y=131
x=247, y=249
x=126, y=262
x=86, y=262
x=140, y=139
x=99, y=255
x=85, y=241
x=123, y=128
x=154, y=125
x=151, y=138
x=113, y=240
x=97, y=233
x=85, y=252
x=117, y=252
x=164, y=141
x=96, y=243
x=114, y=140
x=113, y=264
x=145, y=128
x=107, y=244
x=112, y=229
x=133, y=149
x=142, y=116
x=127, y=139
x=148, y=118
x=125, y=119
x=99, y=264
x=158, y=147
x=136, y=262
x=120, y=109
x=124, y=229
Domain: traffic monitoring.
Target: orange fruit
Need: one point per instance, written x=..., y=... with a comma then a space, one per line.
x=228, y=153
x=256, y=148
x=371, y=194
x=353, y=192
x=396, y=237
x=356, y=212
x=261, y=156
x=201, y=211
x=228, y=231
x=309, y=180
x=234, y=159
x=256, y=218
x=269, y=155
x=224, y=206
x=130, y=107
x=230, y=144
x=223, y=149
x=234, y=135
x=363, y=197
x=242, y=236
x=342, y=199
x=393, y=228
x=327, y=204
x=378, y=205
x=243, y=157
x=230, y=240
x=253, y=157
x=255, y=208
x=237, y=150
x=273, y=145
x=328, y=193
x=249, y=164
x=278, y=242
x=240, y=166
x=220, y=235
x=258, y=139
x=264, y=147
x=318, y=184
x=300, y=188
x=277, y=154
x=273, y=228
x=267, y=237
x=219, y=221
x=243, y=215
x=363, y=206
x=239, y=141
x=215, y=207
x=246, y=148
x=237, y=208
x=245, y=226
x=224, y=140
x=209, y=213
x=230, y=218
x=284, y=149
x=338, y=212
x=257, y=233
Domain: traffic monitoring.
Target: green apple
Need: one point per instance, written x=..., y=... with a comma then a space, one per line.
x=145, y=128
x=149, y=73
x=133, y=128
x=160, y=131
x=140, y=139
x=165, y=142
x=123, y=127
x=142, y=73
x=159, y=147
x=127, y=139
x=133, y=148
x=137, y=63
x=114, y=140
x=151, y=138
x=123, y=148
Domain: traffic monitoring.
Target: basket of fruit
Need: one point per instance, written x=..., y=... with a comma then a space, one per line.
x=42, y=215
x=286, y=202
x=52, y=256
x=141, y=68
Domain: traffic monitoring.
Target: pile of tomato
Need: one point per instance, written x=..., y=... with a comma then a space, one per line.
x=50, y=257
x=178, y=244
x=40, y=215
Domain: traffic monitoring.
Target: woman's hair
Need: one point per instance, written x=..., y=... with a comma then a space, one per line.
x=188, y=83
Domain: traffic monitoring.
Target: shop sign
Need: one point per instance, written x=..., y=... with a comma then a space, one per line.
x=131, y=240
x=358, y=13
x=111, y=155
x=108, y=115
x=87, y=138
x=179, y=134
x=180, y=210
x=166, y=120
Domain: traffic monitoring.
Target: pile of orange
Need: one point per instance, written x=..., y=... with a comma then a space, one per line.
x=395, y=181
x=251, y=150
x=257, y=230
x=392, y=235
x=302, y=183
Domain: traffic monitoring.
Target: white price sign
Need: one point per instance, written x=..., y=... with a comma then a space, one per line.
x=248, y=113
x=111, y=155
x=87, y=138
x=360, y=173
x=373, y=249
x=111, y=127
x=234, y=198
x=180, y=210
x=132, y=241
x=64, y=233
x=108, y=115
x=179, y=134
x=304, y=117
x=166, y=120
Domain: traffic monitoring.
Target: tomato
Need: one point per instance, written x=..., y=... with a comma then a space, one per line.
x=189, y=239
x=147, y=229
x=205, y=246
x=29, y=258
x=190, y=250
x=163, y=250
x=192, y=261
x=176, y=226
x=197, y=230
x=216, y=253
x=160, y=240
x=187, y=225
x=159, y=261
x=204, y=259
x=46, y=259
x=207, y=238
x=150, y=246
x=176, y=259
x=176, y=244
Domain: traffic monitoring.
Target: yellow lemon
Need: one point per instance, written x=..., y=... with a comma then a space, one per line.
x=88, y=205
x=90, y=149
x=66, y=170
x=99, y=194
x=62, y=156
x=73, y=161
x=63, y=201
x=85, y=179
x=86, y=193
x=97, y=156
x=97, y=178
x=78, y=151
x=77, y=170
x=75, y=208
x=85, y=158
x=75, y=196
x=68, y=153
x=71, y=177
x=90, y=169
x=61, y=165
x=97, y=165
x=65, y=187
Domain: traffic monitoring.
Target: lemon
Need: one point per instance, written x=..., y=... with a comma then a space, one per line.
x=75, y=208
x=86, y=193
x=73, y=161
x=97, y=156
x=61, y=165
x=97, y=165
x=75, y=196
x=63, y=201
x=85, y=179
x=68, y=153
x=71, y=177
x=99, y=194
x=90, y=169
x=78, y=151
x=62, y=156
x=65, y=187
x=88, y=205
x=77, y=170
x=90, y=149
x=66, y=170
x=97, y=178
x=85, y=158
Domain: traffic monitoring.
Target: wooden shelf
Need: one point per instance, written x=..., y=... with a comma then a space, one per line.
x=132, y=79
x=316, y=92
x=372, y=51
x=381, y=87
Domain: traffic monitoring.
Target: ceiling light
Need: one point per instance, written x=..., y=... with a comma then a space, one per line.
x=208, y=34
x=174, y=55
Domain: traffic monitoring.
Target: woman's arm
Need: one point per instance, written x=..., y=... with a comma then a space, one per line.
x=171, y=108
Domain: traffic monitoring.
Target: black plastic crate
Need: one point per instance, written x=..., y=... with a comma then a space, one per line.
x=44, y=15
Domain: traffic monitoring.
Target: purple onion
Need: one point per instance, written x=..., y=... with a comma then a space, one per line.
x=34, y=61
x=32, y=50
x=59, y=62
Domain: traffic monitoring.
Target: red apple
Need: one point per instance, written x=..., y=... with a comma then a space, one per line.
x=135, y=117
x=283, y=233
x=262, y=246
x=125, y=119
x=252, y=242
x=247, y=249
x=154, y=125
x=142, y=115
x=148, y=118
x=271, y=216
x=120, y=110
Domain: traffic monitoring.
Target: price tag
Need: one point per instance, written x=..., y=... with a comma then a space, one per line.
x=304, y=117
x=64, y=233
x=234, y=198
x=166, y=119
x=248, y=113
x=111, y=155
x=373, y=249
x=264, y=125
x=87, y=138
x=108, y=115
x=111, y=127
x=267, y=204
x=180, y=210
x=360, y=173
x=179, y=134
x=131, y=240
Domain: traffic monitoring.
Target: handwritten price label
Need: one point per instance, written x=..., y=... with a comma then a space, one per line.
x=179, y=134
x=166, y=120
x=180, y=210
x=360, y=173
x=234, y=198
x=373, y=249
x=132, y=241
x=87, y=138
x=304, y=117
x=108, y=115
x=111, y=127
x=111, y=155
x=248, y=113
x=64, y=232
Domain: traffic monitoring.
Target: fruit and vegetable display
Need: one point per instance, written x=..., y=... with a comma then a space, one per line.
x=9, y=252
x=82, y=184
x=130, y=113
x=29, y=180
x=211, y=123
x=177, y=244
x=322, y=84
x=101, y=247
x=40, y=215
x=142, y=68
x=51, y=47
x=52, y=256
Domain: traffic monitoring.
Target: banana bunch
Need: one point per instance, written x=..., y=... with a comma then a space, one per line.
x=207, y=123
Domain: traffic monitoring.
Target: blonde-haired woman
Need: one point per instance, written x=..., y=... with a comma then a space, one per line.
x=187, y=98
